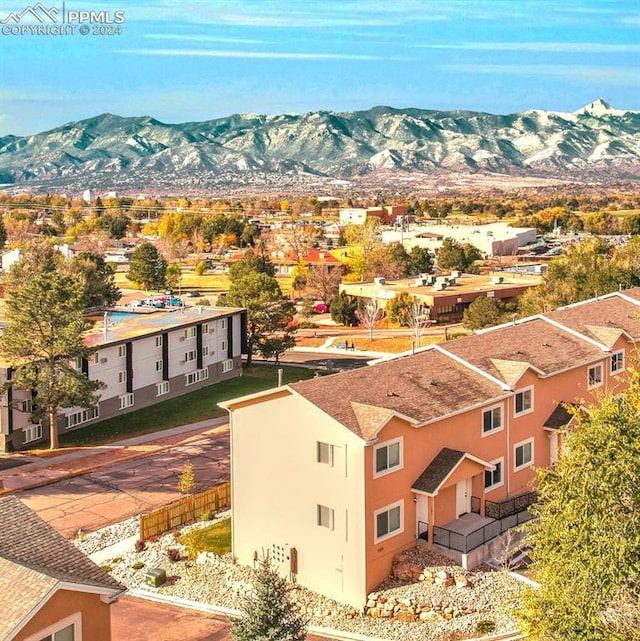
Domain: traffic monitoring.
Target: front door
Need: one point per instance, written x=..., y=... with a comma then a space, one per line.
x=463, y=497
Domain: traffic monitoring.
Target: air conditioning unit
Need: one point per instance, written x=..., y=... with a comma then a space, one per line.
x=455, y=273
x=379, y=280
x=182, y=362
x=497, y=280
x=103, y=360
x=182, y=339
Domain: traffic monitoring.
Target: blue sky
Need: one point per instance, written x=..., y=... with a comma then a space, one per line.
x=198, y=60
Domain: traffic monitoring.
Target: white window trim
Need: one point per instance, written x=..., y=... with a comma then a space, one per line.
x=83, y=415
x=162, y=388
x=32, y=433
x=522, y=391
x=330, y=453
x=122, y=376
x=330, y=515
x=227, y=365
x=122, y=351
x=190, y=355
x=388, y=508
x=395, y=468
x=196, y=377
x=495, y=430
x=75, y=620
x=158, y=341
x=524, y=465
x=615, y=372
x=591, y=385
x=126, y=400
x=495, y=486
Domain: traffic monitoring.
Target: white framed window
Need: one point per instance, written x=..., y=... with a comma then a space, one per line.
x=94, y=359
x=324, y=453
x=122, y=376
x=617, y=362
x=523, y=454
x=32, y=433
x=197, y=376
x=126, y=400
x=492, y=420
x=388, y=521
x=68, y=629
x=227, y=365
x=27, y=406
x=325, y=516
x=223, y=323
x=191, y=355
x=523, y=401
x=76, y=363
x=158, y=341
x=159, y=365
x=205, y=328
x=122, y=351
x=493, y=478
x=387, y=457
x=205, y=351
x=79, y=417
x=223, y=346
x=162, y=388
x=190, y=332
x=594, y=376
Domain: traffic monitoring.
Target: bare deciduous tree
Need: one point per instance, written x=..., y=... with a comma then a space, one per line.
x=369, y=315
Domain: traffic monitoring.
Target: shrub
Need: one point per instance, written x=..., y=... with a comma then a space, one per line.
x=200, y=268
x=140, y=545
x=207, y=516
x=485, y=626
x=138, y=565
x=105, y=568
x=174, y=554
x=116, y=560
x=177, y=534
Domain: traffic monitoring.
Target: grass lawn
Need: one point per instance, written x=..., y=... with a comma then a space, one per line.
x=216, y=538
x=188, y=408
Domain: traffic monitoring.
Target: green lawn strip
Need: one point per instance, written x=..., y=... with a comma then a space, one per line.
x=215, y=538
x=188, y=408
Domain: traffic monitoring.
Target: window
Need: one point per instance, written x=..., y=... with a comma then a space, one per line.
x=594, y=378
x=205, y=351
x=324, y=453
x=76, y=363
x=197, y=376
x=190, y=332
x=27, y=406
x=523, y=454
x=388, y=457
x=94, y=359
x=79, y=417
x=162, y=388
x=32, y=433
x=325, y=517
x=122, y=376
x=492, y=420
x=158, y=341
x=159, y=365
x=524, y=401
x=126, y=400
x=71, y=630
x=227, y=365
x=205, y=328
x=190, y=356
x=494, y=479
x=223, y=323
x=122, y=351
x=388, y=521
x=617, y=362
x=223, y=346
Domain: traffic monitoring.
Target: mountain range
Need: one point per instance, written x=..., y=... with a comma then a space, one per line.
x=596, y=143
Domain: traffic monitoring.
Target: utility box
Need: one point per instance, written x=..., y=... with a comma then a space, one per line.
x=155, y=578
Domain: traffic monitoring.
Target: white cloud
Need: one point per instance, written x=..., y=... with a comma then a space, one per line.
x=568, y=47
x=202, y=38
x=263, y=55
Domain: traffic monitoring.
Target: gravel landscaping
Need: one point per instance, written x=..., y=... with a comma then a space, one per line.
x=442, y=612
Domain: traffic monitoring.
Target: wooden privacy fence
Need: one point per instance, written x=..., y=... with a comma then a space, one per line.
x=185, y=510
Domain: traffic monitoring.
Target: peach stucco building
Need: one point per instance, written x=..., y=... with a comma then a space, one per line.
x=334, y=476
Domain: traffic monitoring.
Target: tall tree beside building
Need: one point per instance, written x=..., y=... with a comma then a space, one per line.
x=584, y=541
x=98, y=279
x=44, y=304
x=147, y=267
x=454, y=255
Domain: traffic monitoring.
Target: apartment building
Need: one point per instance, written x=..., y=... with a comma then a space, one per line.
x=141, y=358
x=333, y=476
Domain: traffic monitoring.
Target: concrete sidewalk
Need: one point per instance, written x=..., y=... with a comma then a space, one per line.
x=42, y=470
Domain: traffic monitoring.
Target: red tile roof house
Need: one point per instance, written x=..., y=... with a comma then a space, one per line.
x=284, y=262
x=333, y=476
x=51, y=590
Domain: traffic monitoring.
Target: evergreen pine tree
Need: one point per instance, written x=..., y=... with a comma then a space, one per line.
x=270, y=613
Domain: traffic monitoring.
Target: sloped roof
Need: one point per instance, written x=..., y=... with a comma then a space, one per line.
x=605, y=319
x=437, y=472
x=560, y=417
x=532, y=343
x=422, y=387
x=29, y=541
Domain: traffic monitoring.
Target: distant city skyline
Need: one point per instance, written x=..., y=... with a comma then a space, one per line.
x=199, y=59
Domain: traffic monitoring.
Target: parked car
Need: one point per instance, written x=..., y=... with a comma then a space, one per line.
x=135, y=303
x=320, y=308
x=193, y=293
x=172, y=301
